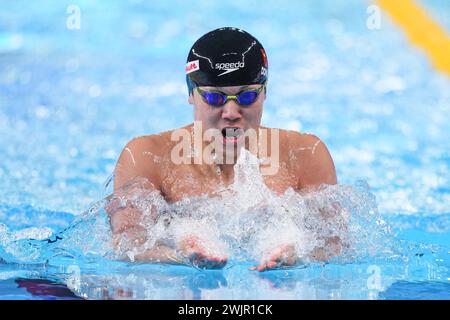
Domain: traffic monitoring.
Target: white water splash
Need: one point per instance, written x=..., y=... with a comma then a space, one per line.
x=248, y=221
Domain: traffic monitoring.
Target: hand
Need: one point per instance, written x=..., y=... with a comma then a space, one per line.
x=283, y=256
x=198, y=256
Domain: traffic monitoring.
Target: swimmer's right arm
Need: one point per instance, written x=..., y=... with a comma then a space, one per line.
x=136, y=173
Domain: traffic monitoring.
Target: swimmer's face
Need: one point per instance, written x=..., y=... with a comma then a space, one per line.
x=231, y=114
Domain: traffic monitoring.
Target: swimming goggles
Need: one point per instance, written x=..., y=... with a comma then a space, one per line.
x=217, y=98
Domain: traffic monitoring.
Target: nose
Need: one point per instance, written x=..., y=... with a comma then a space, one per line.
x=231, y=111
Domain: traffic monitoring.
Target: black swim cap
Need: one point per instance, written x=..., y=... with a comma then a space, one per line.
x=226, y=57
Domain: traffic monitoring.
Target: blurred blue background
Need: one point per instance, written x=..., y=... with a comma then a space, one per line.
x=70, y=99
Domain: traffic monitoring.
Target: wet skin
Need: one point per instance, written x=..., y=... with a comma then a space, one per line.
x=304, y=165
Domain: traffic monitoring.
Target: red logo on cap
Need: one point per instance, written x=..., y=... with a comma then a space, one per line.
x=192, y=66
x=266, y=63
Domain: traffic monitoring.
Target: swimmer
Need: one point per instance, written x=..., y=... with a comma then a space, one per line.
x=227, y=79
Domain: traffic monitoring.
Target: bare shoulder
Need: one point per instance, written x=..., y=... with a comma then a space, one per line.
x=153, y=144
x=313, y=162
x=303, y=141
x=140, y=157
x=143, y=156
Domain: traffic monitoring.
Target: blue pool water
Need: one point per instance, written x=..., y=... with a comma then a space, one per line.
x=71, y=99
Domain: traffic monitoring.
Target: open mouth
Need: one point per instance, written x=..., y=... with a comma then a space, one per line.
x=231, y=134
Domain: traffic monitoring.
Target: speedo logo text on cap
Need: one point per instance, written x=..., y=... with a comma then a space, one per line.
x=229, y=67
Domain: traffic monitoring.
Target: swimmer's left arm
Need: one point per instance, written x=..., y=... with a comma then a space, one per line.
x=313, y=166
x=286, y=255
x=318, y=169
x=316, y=166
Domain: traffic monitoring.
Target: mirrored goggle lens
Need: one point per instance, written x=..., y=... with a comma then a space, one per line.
x=248, y=97
x=214, y=98
x=218, y=99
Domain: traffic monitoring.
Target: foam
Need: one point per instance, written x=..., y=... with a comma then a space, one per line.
x=245, y=221
x=248, y=221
